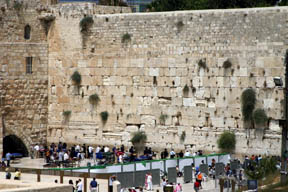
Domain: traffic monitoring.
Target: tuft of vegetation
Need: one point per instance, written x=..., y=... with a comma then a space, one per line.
x=18, y=5
x=227, y=141
x=183, y=137
x=262, y=169
x=138, y=137
x=104, y=117
x=227, y=64
x=248, y=102
x=202, y=63
x=260, y=118
x=94, y=99
x=76, y=78
x=86, y=23
x=180, y=26
x=186, y=89
x=66, y=115
x=163, y=118
x=126, y=38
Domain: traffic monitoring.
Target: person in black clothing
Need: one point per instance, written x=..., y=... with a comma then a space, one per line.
x=146, y=151
x=122, y=148
x=84, y=150
x=181, y=154
x=165, y=153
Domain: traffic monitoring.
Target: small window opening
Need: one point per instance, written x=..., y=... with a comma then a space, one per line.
x=27, y=31
x=28, y=65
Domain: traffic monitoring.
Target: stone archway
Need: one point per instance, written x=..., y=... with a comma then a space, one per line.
x=14, y=144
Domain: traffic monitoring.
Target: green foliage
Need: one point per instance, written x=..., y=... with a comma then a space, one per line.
x=227, y=141
x=66, y=114
x=94, y=99
x=172, y=5
x=104, y=116
x=227, y=64
x=126, y=38
x=260, y=117
x=202, y=63
x=264, y=168
x=183, y=136
x=138, y=137
x=283, y=3
x=17, y=5
x=180, y=25
x=186, y=89
x=85, y=23
x=248, y=102
x=163, y=118
x=76, y=78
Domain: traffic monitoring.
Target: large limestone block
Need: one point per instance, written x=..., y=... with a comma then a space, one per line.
x=189, y=102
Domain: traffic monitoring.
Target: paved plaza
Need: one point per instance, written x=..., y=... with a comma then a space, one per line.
x=208, y=185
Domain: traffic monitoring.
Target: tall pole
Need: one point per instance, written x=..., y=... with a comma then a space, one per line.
x=284, y=129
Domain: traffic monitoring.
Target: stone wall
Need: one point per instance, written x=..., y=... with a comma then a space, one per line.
x=142, y=75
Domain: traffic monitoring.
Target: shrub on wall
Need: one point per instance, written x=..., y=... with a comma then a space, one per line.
x=17, y=5
x=180, y=26
x=76, y=78
x=227, y=64
x=186, y=89
x=104, y=117
x=183, y=137
x=260, y=118
x=94, y=99
x=202, y=63
x=227, y=141
x=248, y=102
x=85, y=23
x=66, y=115
x=126, y=38
x=163, y=118
x=139, y=139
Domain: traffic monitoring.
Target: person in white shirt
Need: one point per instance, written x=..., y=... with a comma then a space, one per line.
x=149, y=182
x=106, y=149
x=79, y=186
x=172, y=154
x=66, y=156
x=90, y=150
x=36, y=149
x=77, y=148
x=61, y=156
x=187, y=154
x=121, y=158
x=98, y=149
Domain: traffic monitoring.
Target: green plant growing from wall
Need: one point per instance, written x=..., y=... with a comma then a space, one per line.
x=104, y=117
x=202, y=63
x=163, y=118
x=227, y=64
x=186, y=89
x=183, y=137
x=260, y=118
x=94, y=99
x=248, y=102
x=138, y=140
x=180, y=26
x=85, y=23
x=126, y=38
x=66, y=114
x=227, y=141
x=76, y=78
x=18, y=6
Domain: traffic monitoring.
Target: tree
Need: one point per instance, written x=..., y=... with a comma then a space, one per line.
x=139, y=139
x=172, y=5
x=227, y=141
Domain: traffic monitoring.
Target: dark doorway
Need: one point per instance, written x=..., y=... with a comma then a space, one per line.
x=13, y=144
x=27, y=31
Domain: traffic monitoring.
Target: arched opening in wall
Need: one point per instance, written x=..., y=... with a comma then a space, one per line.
x=14, y=144
x=27, y=31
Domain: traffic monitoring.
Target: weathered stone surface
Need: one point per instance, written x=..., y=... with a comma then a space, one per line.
x=141, y=79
